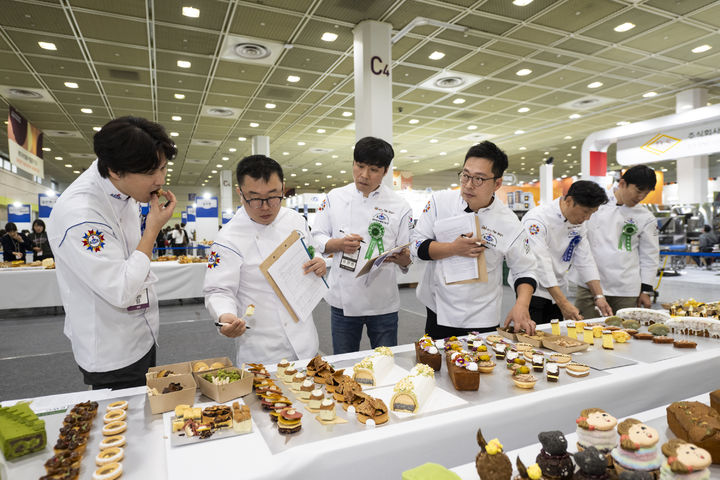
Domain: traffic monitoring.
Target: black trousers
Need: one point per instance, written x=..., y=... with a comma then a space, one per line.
x=543, y=310
x=441, y=331
x=126, y=377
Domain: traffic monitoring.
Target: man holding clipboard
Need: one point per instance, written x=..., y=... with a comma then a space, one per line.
x=235, y=281
x=356, y=223
x=468, y=224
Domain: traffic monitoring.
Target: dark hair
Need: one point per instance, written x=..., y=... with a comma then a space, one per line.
x=373, y=151
x=587, y=193
x=642, y=176
x=489, y=151
x=10, y=227
x=132, y=145
x=257, y=167
x=38, y=222
x=707, y=228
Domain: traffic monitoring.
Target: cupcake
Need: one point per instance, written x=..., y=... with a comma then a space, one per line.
x=638, y=448
x=553, y=459
x=592, y=465
x=596, y=428
x=491, y=463
x=684, y=461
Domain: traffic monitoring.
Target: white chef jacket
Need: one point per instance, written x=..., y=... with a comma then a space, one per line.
x=234, y=280
x=477, y=304
x=346, y=209
x=94, y=231
x=622, y=270
x=557, y=246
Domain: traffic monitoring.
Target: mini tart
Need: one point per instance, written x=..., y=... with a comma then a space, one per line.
x=115, y=415
x=663, y=339
x=577, y=369
x=486, y=367
x=122, y=404
x=560, y=358
x=493, y=339
x=109, y=455
x=113, y=441
x=523, y=347
x=110, y=471
x=113, y=428
x=524, y=380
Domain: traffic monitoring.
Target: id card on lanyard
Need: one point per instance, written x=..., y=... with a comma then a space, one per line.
x=349, y=260
x=142, y=301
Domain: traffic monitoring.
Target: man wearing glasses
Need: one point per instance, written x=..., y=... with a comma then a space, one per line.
x=358, y=222
x=459, y=308
x=234, y=280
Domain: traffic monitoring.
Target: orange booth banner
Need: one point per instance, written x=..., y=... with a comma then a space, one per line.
x=402, y=180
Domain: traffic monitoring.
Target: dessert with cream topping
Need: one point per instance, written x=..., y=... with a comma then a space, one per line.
x=373, y=369
x=411, y=392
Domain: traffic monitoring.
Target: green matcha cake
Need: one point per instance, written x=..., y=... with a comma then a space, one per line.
x=21, y=431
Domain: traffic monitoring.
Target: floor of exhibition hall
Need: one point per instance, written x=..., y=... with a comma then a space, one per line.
x=33, y=342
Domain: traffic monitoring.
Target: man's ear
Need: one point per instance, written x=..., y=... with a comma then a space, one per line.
x=114, y=175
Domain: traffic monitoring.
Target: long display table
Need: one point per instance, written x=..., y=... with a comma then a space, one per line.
x=634, y=377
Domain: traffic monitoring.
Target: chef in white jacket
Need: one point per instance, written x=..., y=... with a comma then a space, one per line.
x=102, y=253
x=234, y=281
x=623, y=239
x=458, y=308
x=558, y=241
x=356, y=223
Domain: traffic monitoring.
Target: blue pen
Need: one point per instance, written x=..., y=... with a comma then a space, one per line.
x=310, y=255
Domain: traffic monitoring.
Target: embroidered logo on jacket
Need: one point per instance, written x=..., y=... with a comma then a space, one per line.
x=427, y=207
x=323, y=205
x=534, y=229
x=213, y=260
x=93, y=240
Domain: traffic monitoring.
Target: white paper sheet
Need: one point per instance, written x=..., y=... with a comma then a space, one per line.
x=302, y=292
x=373, y=265
x=456, y=268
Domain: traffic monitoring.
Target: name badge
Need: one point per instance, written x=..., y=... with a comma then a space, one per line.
x=349, y=260
x=142, y=300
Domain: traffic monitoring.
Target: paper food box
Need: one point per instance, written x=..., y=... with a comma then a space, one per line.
x=166, y=402
x=509, y=335
x=564, y=344
x=534, y=340
x=229, y=391
x=182, y=368
x=212, y=364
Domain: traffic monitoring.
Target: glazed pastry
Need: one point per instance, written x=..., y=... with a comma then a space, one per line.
x=596, y=428
x=426, y=352
x=638, y=448
x=373, y=369
x=122, y=404
x=684, y=461
x=553, y=459
x=112, y=441
x=491, y=463
x=592, y=465
x=684, y=344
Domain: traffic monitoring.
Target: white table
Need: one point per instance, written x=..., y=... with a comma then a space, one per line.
x=37, y=287
x=447, y=438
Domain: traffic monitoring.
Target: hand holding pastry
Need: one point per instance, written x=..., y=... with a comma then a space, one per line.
x=159, y=214
x=519, y=316
x=234, y=326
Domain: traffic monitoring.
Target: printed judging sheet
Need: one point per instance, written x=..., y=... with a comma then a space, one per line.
x=456, y=268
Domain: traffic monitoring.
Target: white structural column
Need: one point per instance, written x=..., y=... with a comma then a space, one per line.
x=373, y=83
x=261, y=145
x=692, y=172
x=226, y=189
x=546, y=183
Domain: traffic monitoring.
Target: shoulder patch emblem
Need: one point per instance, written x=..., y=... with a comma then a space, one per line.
x=93, y=240
x=323, y=205
x=427, y=207
x=213, y=259
x=534, y=229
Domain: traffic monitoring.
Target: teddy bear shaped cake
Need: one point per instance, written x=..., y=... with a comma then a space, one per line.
x=596, y=428
x=684, y=461
x=638, y=448
x=491, y=463
x=553, y=459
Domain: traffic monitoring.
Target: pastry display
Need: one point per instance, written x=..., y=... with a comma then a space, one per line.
x=21, y=431
x=596, y=428
x=662, y=339
x=289, y=421
x=485, y=363
x=491, y=463
x=693, y=308
x=523, y=379
x=552, y=371
x=684, y=344
x=241, y=418
x=684, y=461
x=426, y=352
x=553, y=459
x=592, y=465
x=327, y=410
x=630, y=323
x=372, y=409
x=637, y=450
x=607, y=340
x=410, y=393
x=463, y=369
x=333, y=380
x=701, y=327
x=696, y=423
x=373, y=369
x=577, y=369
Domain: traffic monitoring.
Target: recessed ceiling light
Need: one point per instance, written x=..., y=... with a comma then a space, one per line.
x=254, y=125
x=225, y=159
x=413, y=121
x=453, y=185
x=71, y=85
x=328, y=176
x=184, y=64
x=58, y=158
x=459, y=101
x=701, y=49
x=519, y=132
x=317, y=180
x=574, y=116
x=232, y=149
x=320, y=130
x=304, y=169
x=171, y=163
x=442, y=154
x=546, y=153
x=522, y=3
x=436, y=55
x=213, y=171
x=347, y=114
x=624, y=27
x=472, y=127
x=574, y=147
x=180, y=96
x=301, y=144
x=416, y=161
x=403, y=151
x=522, y=148
x=342, y=171
x=433, y=140
x=47, y=45
x=68, y=165
x=432, y=169
x=176, y=118
x=334, y=156
x=86, y=110
x=169, y=170
x=649, y=94
x=595, y=85
x=523, y=109
x=191, y=12
x=270, y=105
x=293, y=78
x=46, y=149
x=306, y=184
x=567, y=137
x=622, y=123
x=174, y=134
x=329, y=37
x=76, y=171
x=242, y=139
x=286, y=153
x=219, y=165
x=523, y=72
x=569, y=155
x=97, y=129
x=318, y=164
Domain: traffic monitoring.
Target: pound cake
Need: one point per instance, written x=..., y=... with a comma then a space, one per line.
x=696, y=423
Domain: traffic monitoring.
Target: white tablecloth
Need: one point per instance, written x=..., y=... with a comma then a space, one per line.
x=28, y=288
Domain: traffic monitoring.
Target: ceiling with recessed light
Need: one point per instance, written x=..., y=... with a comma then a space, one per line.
x=546, y=74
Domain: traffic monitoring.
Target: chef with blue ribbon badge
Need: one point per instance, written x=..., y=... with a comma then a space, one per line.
x=558, y=239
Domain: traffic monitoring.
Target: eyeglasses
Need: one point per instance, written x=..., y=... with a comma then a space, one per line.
x=476, y=181
x=272, y=202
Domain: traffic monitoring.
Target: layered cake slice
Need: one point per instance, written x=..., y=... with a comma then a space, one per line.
x=411, y=392
x=426, y=352
x=373, y=369
x=21, y=431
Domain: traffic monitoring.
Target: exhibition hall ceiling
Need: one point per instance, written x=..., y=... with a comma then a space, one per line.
x=550, y=72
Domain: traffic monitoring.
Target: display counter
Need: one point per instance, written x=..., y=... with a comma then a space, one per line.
x=31, y=287
x=636, y=376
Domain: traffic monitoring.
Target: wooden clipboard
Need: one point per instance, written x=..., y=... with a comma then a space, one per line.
x=267, y=263
x=482, y=266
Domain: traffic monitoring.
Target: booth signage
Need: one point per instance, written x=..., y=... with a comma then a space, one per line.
x=25, y=144
x=19, y=213
x=206, y=207
x=45, y=204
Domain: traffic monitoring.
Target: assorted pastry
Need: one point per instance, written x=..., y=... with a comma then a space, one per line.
x=427, y=352
x=373, y=369
x=202, y=423
x=411, y=392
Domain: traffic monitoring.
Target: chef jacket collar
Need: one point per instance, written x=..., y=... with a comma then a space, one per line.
x=466, y=207
x=374, y=193
x=111, y=190
x=558, y=211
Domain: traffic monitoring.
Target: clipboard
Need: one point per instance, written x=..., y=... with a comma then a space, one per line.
x=272, y=258
x=481, y=264
x=369, y=264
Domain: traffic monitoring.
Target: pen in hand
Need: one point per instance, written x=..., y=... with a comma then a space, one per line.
x=343, y=232
x=479, y=244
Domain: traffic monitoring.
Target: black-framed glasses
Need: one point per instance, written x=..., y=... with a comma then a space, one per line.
x=272, y=202
x=475, y=181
